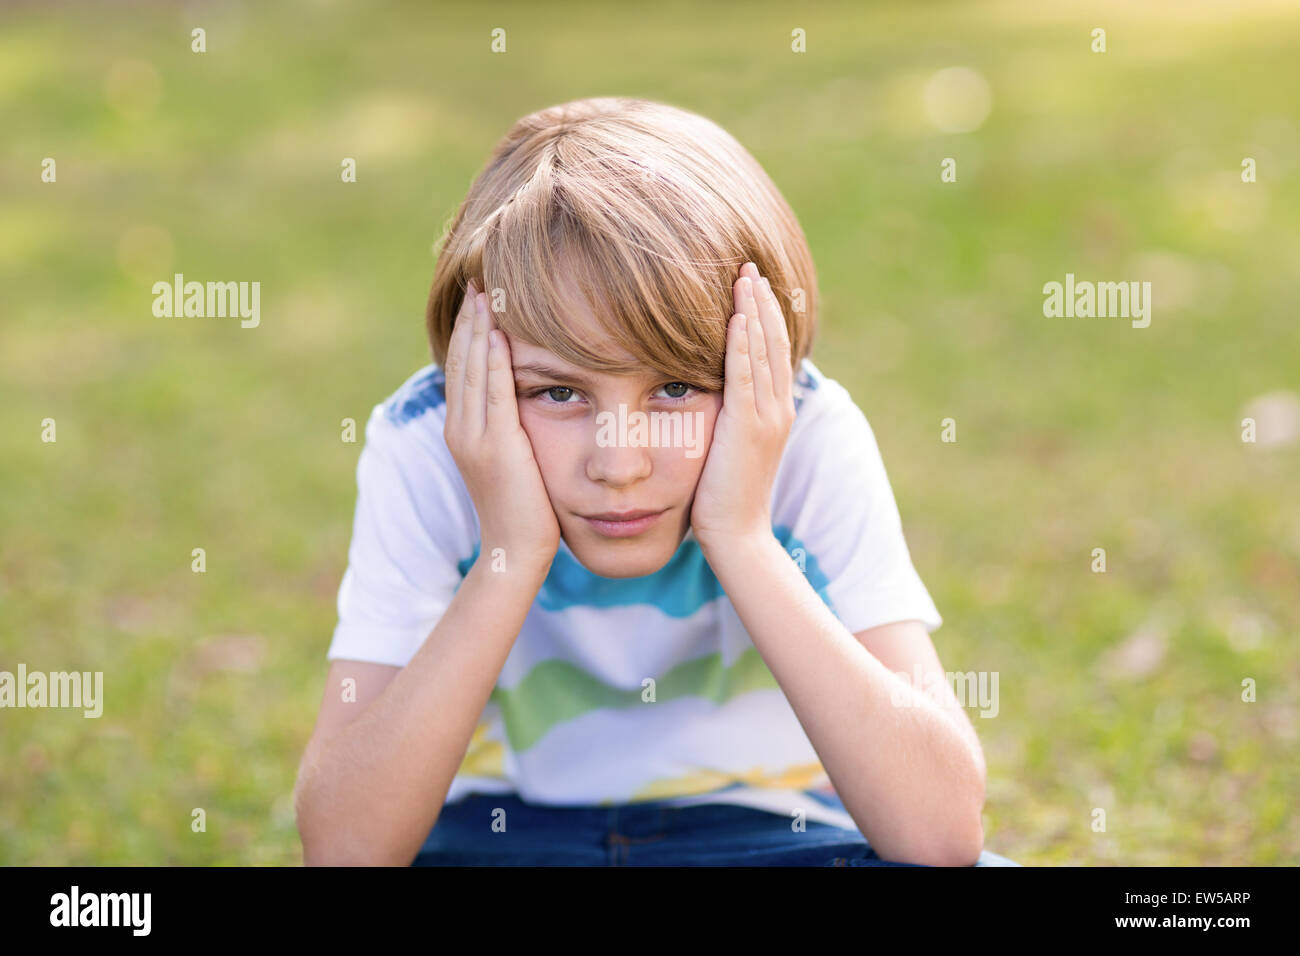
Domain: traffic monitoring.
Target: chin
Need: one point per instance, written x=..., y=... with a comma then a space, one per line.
x=622, y=559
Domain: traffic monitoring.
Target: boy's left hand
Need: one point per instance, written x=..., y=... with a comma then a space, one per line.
x=734, y=494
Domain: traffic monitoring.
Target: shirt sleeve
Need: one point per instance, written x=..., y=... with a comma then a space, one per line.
x=840, y=509
x=413, y=530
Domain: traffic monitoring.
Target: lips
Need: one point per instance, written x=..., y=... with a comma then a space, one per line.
x=622, y=524
x=623, y=515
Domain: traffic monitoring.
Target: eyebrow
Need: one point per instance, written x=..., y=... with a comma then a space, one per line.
x=546, y=371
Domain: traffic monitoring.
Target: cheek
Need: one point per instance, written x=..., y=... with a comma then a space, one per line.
x=540, y=437
x=556, y=444
x=685, y=469
x=708, y=421
x=673, y=467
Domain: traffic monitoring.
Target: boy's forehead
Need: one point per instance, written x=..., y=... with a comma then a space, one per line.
x=528, y=359
x=580, y=319
x=583, y=325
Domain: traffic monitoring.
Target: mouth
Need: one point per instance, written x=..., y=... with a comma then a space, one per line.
x=622, y=524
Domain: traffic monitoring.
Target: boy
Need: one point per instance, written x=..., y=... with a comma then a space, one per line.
x=552, y=618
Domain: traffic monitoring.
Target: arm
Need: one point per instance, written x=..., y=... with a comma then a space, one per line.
x=909, y=771
x=376, y=771
x=908, y=767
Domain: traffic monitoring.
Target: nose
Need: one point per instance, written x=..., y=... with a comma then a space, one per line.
x=616, y=462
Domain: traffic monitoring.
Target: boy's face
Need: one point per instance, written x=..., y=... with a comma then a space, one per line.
x=583, y=429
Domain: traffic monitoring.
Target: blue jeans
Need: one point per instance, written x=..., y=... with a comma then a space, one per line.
x=641, y=834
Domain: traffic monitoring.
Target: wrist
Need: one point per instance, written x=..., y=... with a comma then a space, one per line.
x=722, y=547
x=504, y=564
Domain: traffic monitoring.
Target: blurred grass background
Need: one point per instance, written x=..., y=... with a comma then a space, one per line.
x=1119, y=691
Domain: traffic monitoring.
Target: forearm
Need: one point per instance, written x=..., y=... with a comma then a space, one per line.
x=371, y=792
x=908, y=775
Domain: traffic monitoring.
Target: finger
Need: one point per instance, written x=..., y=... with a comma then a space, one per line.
x=738, y=388
x=764, y=398
x=778, y=341
x=502, y=409
x=457, y=353
x=475, y=395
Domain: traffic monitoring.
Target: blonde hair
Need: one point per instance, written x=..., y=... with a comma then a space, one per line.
x=651, y=210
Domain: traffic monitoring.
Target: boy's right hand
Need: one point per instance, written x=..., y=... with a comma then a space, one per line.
x=489, y=446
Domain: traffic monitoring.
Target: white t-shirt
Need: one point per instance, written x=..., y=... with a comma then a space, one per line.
x=567, y=723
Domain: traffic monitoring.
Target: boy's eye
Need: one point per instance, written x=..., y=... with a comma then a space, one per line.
x=560, y=394
x=552, y=394
x=564, y=391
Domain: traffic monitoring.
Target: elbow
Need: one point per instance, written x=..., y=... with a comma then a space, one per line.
x=959, y=841
x=959, y=845
x=322, y=844
x=319, y=850
x=315, y=850
x=963, y=848
x=317, y=853
x=967, y=842
x=326, y=843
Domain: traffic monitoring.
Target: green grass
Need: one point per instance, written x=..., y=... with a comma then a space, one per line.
x=1072, y=434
